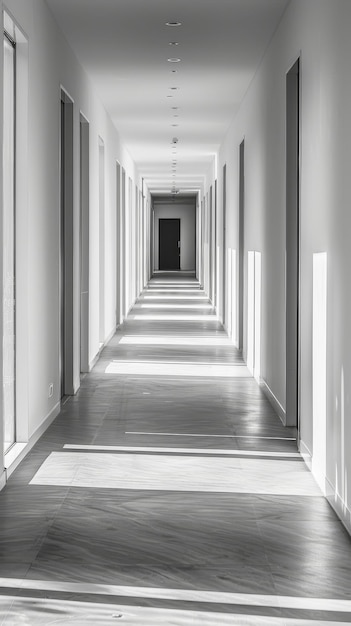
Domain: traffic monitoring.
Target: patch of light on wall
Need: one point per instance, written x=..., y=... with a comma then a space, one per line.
x=251, y=311
x=319, y=366
x=254, y=314
x=234, y=298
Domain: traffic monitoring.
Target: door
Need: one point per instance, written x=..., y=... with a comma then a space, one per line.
x=169, y=244
x=224, y=252
x=241, y=243
x=292, y=243
x=66, y=247
x=84, y=244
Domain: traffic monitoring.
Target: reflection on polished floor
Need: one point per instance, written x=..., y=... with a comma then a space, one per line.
x=168, y=492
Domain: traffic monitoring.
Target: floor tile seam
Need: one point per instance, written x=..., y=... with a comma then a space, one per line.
x=266, y=554
x=37, y=551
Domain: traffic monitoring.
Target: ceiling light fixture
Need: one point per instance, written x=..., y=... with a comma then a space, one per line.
x=173, y=43
x=174, y=60
x=173, y=24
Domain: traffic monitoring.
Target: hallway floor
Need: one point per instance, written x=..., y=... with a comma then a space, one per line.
x=168, y=492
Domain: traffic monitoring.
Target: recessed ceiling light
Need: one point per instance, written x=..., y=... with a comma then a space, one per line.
x=174, y=60
x=173, y=43
x=173, y=23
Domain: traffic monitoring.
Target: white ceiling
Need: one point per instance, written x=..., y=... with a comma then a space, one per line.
x=124, y=46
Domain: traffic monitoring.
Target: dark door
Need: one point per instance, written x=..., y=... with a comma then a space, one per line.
x=292, y=244
x=169, y=244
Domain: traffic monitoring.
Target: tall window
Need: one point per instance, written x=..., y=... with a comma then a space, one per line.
x=9, y=326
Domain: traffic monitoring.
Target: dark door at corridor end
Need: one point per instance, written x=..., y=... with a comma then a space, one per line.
x=169, y=244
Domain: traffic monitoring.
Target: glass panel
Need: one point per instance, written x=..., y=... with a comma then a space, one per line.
x=9, y=245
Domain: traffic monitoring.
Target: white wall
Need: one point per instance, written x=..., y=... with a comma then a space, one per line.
x=51, y=64
x=185, y=211
x=318, y=31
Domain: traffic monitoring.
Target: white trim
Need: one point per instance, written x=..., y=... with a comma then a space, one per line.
x=13, y=453
x=273, y=400
x=306, y=454
x=76, y=385
x=109, y=336
x=2, y=480
x=20, y=450
x=339, y=505
x=95, y=359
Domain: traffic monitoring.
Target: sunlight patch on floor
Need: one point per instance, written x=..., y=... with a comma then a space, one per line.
x=175, y=318
x=173, y=297
x=172, y=472
x=175, y=340
x=160, y=305
x=178, y=368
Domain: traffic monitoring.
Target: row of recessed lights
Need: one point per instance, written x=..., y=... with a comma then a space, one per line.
x=174, y=108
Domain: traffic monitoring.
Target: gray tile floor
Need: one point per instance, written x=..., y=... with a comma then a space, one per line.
x=168, y=492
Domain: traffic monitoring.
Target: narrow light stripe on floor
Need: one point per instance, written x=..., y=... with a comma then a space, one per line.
x=136, y=432
x=202, y=451
x=187, y=595
x=105, y=614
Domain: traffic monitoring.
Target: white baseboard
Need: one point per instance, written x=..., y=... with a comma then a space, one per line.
x=339, y=505
x=2, y=479
x=95, y=359
x=21, y=449
x=306, y=454
x=110, y=335
x=279, y=409
x=76, y=386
